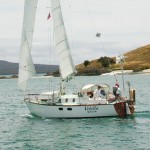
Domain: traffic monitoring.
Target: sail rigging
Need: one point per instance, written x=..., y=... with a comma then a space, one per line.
x=67, y=67
x=26, y=66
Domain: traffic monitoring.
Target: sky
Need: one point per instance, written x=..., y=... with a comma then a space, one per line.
x=124, y=26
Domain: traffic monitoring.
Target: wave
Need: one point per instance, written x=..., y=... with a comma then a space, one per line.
x=145, y=113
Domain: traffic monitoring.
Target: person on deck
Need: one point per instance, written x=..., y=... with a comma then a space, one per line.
x=115, y=88
x=117, y=91
x=97, y=92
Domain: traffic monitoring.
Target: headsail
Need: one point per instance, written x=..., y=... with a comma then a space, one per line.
x=26, y=66
x=62, y=46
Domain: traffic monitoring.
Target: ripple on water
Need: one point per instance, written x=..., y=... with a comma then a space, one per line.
x=21, y=130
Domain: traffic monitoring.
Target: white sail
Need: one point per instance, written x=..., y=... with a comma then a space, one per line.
x=26, y=66
x=62, y=47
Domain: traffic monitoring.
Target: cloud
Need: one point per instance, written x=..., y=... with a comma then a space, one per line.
x=123, y=24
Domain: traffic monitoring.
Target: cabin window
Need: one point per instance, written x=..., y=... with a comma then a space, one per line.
x=66, y=100
x=44, y=100
x=73, y=100
x=60, y=108
x=69, y=109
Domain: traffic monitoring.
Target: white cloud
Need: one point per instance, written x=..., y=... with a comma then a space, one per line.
x=123, y=24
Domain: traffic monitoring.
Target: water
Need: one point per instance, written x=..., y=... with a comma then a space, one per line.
x=20, y=130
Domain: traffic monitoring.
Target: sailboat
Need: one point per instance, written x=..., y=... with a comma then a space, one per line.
x=59, y=103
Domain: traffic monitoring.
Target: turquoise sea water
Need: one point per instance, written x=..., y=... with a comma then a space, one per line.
x=19, y=130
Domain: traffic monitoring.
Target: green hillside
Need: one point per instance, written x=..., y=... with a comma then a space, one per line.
x=136, y=60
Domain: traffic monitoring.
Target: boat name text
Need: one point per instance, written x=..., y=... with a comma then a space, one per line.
x=91, y=109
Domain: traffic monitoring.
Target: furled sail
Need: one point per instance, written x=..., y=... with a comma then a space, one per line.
x=120, y=59
x=62, y=46
x=26, y=66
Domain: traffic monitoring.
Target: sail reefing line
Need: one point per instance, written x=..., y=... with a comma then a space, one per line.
x=67, y=67
x=26, y=66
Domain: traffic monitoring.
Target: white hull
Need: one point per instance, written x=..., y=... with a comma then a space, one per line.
x=73, y=111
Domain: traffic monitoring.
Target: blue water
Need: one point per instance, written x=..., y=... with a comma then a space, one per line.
x=19, y=130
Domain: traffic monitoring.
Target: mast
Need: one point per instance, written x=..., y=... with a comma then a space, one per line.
x=67, y=67
x=26, y=66
x=122, y=75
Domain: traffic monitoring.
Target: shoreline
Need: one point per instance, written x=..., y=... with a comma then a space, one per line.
x=117, y=72
x=127, y=72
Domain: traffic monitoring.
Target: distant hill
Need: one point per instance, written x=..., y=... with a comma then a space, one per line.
x=136, y=60
x=9, y=68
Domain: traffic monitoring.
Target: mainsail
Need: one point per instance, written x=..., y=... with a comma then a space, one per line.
x=62, y=47
x=26, y=66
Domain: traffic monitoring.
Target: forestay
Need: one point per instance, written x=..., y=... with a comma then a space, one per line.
x=26, y=67
x=62, y=46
